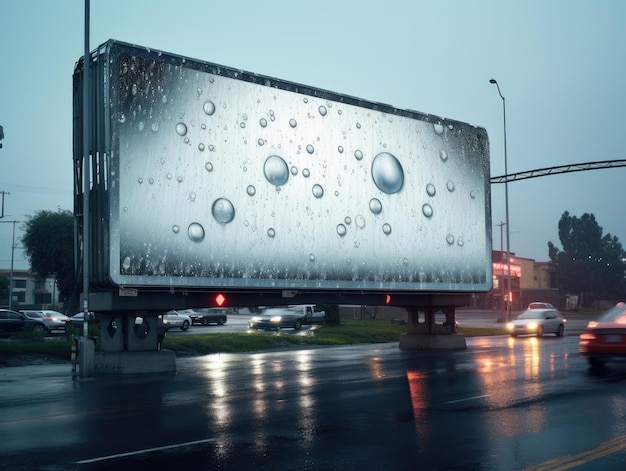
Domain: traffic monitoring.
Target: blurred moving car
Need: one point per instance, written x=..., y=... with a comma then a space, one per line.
x=54, y=320
x=206, y=315
x=287, y=317
x=538, y=322
x=605, y=338
x=172, y=319
x=538, y=305
x=13, y=321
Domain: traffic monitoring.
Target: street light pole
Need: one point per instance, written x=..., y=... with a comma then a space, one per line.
x=506, y=204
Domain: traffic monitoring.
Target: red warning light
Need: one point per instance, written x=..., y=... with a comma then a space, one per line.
x=220, y=299
x=387, y=299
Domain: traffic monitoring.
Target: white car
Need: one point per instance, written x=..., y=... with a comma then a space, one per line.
x=537, y=322
x=54, y=320
x=173, y=319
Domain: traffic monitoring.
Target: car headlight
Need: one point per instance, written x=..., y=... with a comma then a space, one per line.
x=276, y=319
x=510, y=326
x=165, y=321
x=532, y=326
x=255, y=319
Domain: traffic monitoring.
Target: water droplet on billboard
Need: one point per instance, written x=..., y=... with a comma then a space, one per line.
x=251, y=190
x=195, y=231
x=386, y=229
x=438, y=128
x=208, y=166
x=427, y=210
x=263, y=122
x=181, y=129
x=450, y=185
x=201, y=147
x=310, y=149
x=306, y=173
x=359, y=221
x=376, y=206
x=387, y=173
x=223, y=210
x=318, y=191
x=358, y=154
x=293, y=123
x=430, y=189
x=276, y=170
x=450, y=239
x=271, y=232
x=209, y=107
x=341, y=230
x=175, y=229
x=126, y=263
x=322, y=109
x=443, y=155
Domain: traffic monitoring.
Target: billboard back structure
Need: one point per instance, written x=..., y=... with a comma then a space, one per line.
x=209, y=177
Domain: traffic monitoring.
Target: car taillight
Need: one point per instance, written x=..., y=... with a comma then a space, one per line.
x=587, y=336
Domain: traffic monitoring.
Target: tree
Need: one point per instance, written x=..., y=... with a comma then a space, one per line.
x=49, y=244
x=590, y=263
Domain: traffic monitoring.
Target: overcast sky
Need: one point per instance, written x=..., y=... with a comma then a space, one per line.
x=560, y=65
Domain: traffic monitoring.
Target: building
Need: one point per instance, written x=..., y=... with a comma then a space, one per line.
x=530, y=281
x=28, y=290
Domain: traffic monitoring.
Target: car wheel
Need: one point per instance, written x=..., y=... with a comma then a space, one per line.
x=540, y=332
x=298, y=324
x=185, y=325
x=39, y=329
x=559, y=333
x=205, y=321
x=220, y=321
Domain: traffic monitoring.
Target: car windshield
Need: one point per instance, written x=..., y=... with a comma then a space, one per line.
x=531, y=315
x=615, y=314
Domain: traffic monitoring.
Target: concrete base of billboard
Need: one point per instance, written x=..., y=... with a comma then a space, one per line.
x=113, y=363
x=432, y=342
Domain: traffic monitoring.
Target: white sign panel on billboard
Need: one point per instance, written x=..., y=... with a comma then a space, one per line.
x=222, y=178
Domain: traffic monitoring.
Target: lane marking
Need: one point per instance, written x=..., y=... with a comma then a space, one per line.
x=572, y=461
x=468, y=399
x=147, y=450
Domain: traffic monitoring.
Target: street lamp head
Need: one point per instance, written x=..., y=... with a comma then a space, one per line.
x=492, y=81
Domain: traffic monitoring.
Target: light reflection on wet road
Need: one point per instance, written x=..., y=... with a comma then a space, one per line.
x=501, y=404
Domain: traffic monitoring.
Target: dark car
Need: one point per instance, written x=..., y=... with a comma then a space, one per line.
x=207, y=315
x=13, y=321
x=605, y=338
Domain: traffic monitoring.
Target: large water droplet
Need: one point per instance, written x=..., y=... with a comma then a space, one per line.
x=263, y=122
x=223, y=210
x=293, y=123
x=208, y=166
x=306, y=173
x=359, y=221
x=181, y=129
x=450, y=239
x=341, y=230
x=271, y=232
x=386, y=229
x=276, y=170
x=195, y=232
x=387, y=173
x=322, y=109
x=438, y=128
x=376, y=206
x=443, y=155
x=450, y=185
x=209, y=107
x=358, y=155
x=310, y=149
x=430, y=189
x=251, y=190
x=318, y=191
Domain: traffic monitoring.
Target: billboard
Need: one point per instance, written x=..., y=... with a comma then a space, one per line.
x=212, y=177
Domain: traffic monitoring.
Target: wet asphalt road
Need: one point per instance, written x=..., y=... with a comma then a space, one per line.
x=501, y=404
